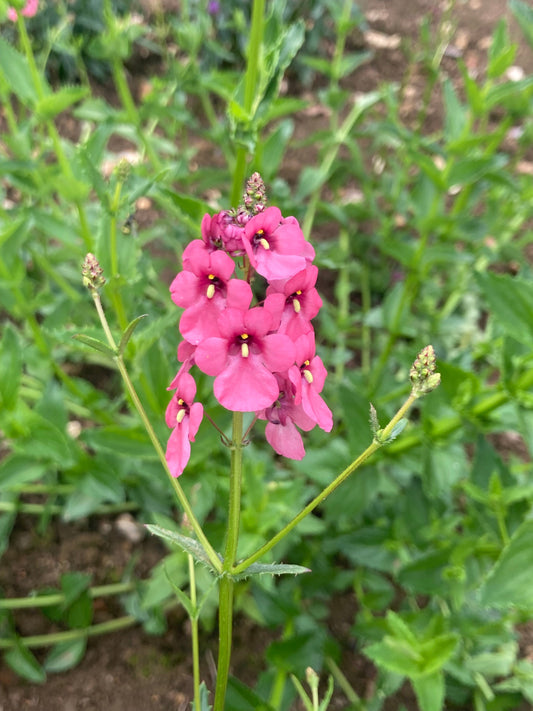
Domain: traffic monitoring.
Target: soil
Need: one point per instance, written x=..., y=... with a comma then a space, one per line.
x=130, y=669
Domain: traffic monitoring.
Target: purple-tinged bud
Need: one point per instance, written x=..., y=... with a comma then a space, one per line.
x=92, y=272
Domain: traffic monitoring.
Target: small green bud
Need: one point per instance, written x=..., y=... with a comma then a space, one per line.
x=122, y=170
x=423, y=376
x=92, y=273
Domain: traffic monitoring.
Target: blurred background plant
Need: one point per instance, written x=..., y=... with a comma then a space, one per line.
x=121, y=127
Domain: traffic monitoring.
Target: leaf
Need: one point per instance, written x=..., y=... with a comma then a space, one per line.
x=10, y=367
x=511, y=302
x=53, y=104
x=96, y=344
x=510, y=582
x=130, y=328
x=189, y=545
x=16, y=71
x=429, y=691
x=19, y=469
x=22, y=661
x=65, y=655
x=271, y=569
x=524, y=15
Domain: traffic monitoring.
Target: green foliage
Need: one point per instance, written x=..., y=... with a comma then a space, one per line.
x=422, y=237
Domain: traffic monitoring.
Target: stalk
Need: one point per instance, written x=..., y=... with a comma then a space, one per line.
x=226, y=583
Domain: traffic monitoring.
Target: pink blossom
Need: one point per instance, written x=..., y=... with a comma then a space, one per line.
x=308, y=377
x=184, y=416
x=283, y=416
x=276, y=247
x=204, y=289
x=223, y=231
x=302, y=302
x=29, y=10
x=244, y=359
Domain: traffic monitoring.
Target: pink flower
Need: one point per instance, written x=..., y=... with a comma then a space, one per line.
x=244, y=359
x=223, y=231
x=308, y=377
x=283, y=416
x=184, y=416
x=302, y=302
x=276, y=247
x=29, y=10
x=204, y=289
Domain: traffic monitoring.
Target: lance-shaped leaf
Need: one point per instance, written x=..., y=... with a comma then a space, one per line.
x=130, y=328
x=189, y=545
x=271, y=569
x=96, y=344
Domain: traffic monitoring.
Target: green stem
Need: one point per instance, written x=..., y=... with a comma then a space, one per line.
x=194, y=637
x=255, y=44
x=226, y=583
x=376, y=444
x=182, y=498
x=23, y=603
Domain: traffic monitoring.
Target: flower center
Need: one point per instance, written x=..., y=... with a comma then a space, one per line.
x=182, y=411
x=295, y=301
x=245, y=349
x=210, y=292
x=259, y=237
x=306, y=373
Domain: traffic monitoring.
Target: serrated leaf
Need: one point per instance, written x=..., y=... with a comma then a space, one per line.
x=510, y=582
x=53, y=104
x=271, y=569
x=65, y=655
x=14, y=66
x=96, y=344
x=23, y=663
x=189, y=545
x=130, y=328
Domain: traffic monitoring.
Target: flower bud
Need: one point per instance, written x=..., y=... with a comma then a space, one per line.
x=254, y=198
x=423, y=376
x=92, y=272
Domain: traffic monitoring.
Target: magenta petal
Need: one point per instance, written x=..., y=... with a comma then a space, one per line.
x=245, y=386
x=199, y=321
x=196, y=413
x=277, y=352
x=178, y=448
x=285, y=440
x=211, y=355
x=239, y=294
x=184, y=289
x=315, y=407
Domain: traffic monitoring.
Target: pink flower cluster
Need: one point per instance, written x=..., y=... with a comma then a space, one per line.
x=261, y=354
x=29, y=10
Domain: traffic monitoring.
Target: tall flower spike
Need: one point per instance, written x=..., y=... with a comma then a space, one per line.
x=423, y=376
x=92, y=273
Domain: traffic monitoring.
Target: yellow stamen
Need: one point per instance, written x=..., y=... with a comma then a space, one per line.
x=210, y=291
x=264, y=244
x=181, y=414
x=306, y=362
x=211, y=277
x=244, y=336
x=299, y=292
x=296, y=305
x=308, y=376
x=245, y=351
